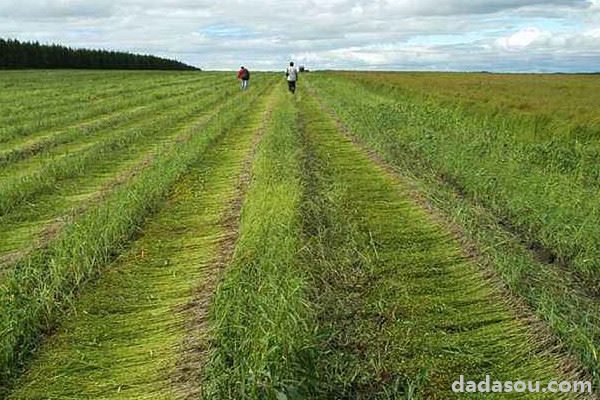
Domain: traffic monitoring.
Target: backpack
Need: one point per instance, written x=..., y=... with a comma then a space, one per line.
x=246, y=75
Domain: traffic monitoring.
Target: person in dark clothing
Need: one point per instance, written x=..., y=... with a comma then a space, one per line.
x=244, y=76
x=292, y=76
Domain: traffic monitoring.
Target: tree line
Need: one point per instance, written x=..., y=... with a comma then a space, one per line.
x=16, y=54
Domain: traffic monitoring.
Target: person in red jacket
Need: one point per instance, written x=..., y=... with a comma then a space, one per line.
x=244, y=76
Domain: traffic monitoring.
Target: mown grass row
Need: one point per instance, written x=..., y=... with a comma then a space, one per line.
x=31, y=224
x=342, y=287
x=35, y=221
x=75, y=92
x=42, y=82
x=83, y=139
x=34, y=293
x=548, y=191
x=133, y=109
x=127, y=333
x=401, y=310
x=23, y=84
x=554, y=295
x=14, y=192
x=45, y=113
x=30, y=125
x=261, y=343
x=81, y=89
x=418, y=140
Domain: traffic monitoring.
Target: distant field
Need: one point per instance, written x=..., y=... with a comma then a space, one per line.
x=572, y=98
x=165, y=235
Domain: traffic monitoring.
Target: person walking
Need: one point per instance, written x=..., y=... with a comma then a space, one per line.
x=244, y=76
x=292, y=76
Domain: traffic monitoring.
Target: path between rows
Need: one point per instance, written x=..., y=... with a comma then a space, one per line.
x=137, y=332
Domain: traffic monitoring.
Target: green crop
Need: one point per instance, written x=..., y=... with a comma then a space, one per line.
x=503, y=175
x=130, y=330
x=35, y=291
x=374, y=236
x=261, y=343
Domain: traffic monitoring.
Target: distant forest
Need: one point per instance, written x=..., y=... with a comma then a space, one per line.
x=16, y=54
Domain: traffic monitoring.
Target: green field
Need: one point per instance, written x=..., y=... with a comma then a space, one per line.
x=164, y=235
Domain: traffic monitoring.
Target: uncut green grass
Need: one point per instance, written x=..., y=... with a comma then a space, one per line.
x=437, y=145
x=563, y=101
x=42, y=286
x=401, y=311
x=261, y=343
x=125, y=336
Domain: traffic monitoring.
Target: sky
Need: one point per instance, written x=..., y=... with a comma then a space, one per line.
x=444, y=35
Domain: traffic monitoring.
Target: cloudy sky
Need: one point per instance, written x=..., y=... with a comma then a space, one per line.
x=493, y=35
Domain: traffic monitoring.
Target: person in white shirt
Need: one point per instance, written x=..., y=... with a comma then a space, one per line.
x=292, y=76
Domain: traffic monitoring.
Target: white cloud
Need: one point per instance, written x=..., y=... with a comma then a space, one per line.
x=523, y=38
x=535, y=40
x=55, y=9
x=357, y=10
x=376, y=34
